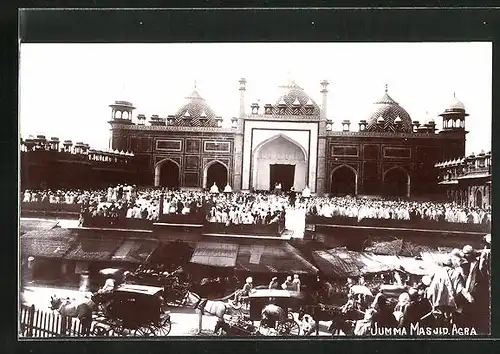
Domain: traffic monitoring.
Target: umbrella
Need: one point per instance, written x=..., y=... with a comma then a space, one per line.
x=361, y=289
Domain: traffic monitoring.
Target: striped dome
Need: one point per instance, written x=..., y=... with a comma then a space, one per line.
x=391, y=112
x=294, y=101
x=195, y=113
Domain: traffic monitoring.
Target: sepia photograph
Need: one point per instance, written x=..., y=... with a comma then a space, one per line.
x=292, y=190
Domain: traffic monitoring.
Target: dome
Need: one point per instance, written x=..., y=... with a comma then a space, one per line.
x=391, y=112
x=293, y=101
x=195, y=113
x=456, y=106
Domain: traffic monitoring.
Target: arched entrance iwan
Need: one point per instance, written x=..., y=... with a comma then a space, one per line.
x=279, y=159
x=167, y=174
x=396, y=183
x=344, y=181
x=217, y=172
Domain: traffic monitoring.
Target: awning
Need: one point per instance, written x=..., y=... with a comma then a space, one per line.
x=134, y=251
x=53, y=243
x=27, y=225
x=39, y=247
x=94, y=249
x=343, y=263
x=215, y=254
x=280, y=258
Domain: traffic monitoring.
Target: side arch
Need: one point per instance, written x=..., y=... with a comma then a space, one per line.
x=350, y=168
x=158, y=166
x=210, y=164
x=391, y=170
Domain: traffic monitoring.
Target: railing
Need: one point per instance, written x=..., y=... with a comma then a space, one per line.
x=192, y=218
x=117, y=223
x=408, y=224
x=37, y=323
x=50, y=207
x=245, y=229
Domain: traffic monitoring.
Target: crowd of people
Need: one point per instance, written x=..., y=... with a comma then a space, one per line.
x=457, y=292
x=249, y=208
x=364, y=208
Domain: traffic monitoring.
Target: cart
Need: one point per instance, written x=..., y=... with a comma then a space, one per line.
x=132, y=310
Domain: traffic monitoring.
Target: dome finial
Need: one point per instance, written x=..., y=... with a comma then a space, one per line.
x=195, y=84
x=386, y=88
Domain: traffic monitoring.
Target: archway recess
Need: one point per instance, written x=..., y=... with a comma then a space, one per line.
x=167, y=174
x=479, y=199
x=279, y=160
x=343, y=181
x=396, y=183
x=218, y=173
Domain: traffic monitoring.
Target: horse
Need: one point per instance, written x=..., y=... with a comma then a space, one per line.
x=82, y=310
x=309, y=323
x=202, y=306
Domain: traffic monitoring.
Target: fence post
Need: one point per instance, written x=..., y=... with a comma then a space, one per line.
x=31, y=318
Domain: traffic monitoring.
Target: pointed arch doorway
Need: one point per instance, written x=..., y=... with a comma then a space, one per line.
x=167, y=174
x=343, y=181
x=396, y=183
x=279, y=159
x=216, y=172
x=479, y=199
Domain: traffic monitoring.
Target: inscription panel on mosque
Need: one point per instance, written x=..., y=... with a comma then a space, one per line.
x=217, y=146
x=397, y=152
x=343, y=150
x=169, y=145
x=193, y=146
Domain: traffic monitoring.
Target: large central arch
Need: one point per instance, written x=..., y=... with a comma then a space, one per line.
x=344, y=181
x=279, y=159
x=396, y=183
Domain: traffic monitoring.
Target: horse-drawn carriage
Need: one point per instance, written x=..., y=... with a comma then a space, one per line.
x=271, y=308
x=131, y=309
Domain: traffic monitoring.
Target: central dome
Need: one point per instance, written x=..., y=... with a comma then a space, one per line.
x=293, y=101
x=195, y=112
x=389, y=116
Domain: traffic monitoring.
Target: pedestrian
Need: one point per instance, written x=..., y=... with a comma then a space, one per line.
x=288, y=284
x=296, y=282
x=274, y=285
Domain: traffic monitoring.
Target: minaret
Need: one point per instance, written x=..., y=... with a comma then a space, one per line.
x=454, y=127
x=243, y=88
x=324, y=94
x=321, y=162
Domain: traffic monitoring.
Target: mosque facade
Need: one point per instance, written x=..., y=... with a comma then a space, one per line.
x=290, y=141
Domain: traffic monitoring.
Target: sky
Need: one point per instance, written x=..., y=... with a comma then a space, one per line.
x=66, y=89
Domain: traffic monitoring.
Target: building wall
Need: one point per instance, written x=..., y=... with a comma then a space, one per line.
x=192, y=151
x=372, y=156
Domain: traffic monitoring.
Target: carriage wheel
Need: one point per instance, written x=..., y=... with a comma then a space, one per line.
x=289, y=328
x=100, y=331
x=163, y=329
x=144, y=332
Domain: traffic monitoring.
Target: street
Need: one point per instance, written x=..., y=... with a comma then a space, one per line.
x=184, y=320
